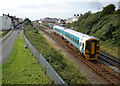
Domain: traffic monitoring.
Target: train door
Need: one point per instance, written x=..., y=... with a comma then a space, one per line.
x=81, y=43
x=80, y=48
x=92, y=48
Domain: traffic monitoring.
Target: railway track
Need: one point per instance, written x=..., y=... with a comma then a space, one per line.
x=107, y=73
x=112, y=62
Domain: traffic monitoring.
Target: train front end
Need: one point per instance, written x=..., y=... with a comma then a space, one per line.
x=92, y=49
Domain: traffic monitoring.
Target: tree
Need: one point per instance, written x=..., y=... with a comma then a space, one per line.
x=109, y=9
x=74, y=15
x=27, y=21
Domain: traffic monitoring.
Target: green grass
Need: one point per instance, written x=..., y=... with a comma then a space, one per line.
x=69, y=73
x=3, y=33
x=22, y=67
x=109, y=48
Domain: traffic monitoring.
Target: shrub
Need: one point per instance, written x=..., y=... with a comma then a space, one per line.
x=109, y=9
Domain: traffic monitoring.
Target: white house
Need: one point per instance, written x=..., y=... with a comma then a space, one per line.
x=5, y=22
x=73, y=19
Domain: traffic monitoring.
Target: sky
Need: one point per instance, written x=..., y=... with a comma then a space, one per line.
x=36, y=9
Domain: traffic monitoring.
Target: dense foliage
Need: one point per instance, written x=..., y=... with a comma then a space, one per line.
x=27, y=21
x=104, y=24
x=109, y=9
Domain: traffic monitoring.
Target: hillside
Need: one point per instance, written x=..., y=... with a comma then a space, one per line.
x=104, y=25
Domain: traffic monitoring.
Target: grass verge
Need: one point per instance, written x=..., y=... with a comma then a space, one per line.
x=69, y=73
x=111, y=49
x=3, y=33
x=22, y=67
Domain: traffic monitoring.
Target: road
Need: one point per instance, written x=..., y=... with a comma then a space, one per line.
x=6, y=46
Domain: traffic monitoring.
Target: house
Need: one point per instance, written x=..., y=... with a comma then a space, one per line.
x=61, y=21
x=47, y=21
x=20, y=20
x=69, y=20
x=14, y=20
x=73, y=19
x=5, y=23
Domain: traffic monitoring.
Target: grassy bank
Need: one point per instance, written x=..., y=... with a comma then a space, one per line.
x=22, y=67
x=109, y=48
x=3, y=33
x=69, y=73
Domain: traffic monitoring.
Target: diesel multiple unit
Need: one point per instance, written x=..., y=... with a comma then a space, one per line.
x=86, y=45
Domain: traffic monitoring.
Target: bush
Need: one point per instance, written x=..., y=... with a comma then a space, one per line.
x=27, y=22
x=109, y=9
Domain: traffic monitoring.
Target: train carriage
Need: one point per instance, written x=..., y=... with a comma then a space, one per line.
x=87, y=45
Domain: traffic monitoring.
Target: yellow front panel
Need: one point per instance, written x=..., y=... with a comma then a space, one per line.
x=93, y=48
x=87, y=51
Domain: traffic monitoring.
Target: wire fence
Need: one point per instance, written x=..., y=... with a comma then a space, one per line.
x=45, y=65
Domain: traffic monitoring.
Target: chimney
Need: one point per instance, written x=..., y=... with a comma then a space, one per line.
x=8, y=15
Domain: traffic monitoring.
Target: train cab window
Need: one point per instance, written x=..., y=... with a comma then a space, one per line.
x=87, y=45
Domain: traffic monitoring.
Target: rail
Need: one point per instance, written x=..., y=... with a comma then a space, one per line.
x=111, y=60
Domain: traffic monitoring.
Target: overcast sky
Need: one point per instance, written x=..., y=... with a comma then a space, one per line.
x=36, y=9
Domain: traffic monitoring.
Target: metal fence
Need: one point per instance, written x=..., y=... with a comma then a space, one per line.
x=45, y=65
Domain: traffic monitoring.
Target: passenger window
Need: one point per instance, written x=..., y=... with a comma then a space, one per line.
x=77, y=42
x=83, y=46
x=80, y=43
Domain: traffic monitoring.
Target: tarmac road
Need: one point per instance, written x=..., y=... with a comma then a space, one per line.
x=6, y=46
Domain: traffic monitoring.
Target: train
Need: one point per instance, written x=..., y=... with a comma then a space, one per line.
x=87, y=45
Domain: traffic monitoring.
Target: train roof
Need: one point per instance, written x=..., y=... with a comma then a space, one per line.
x=60, y=27
x=77, y=34
x=80, y=35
